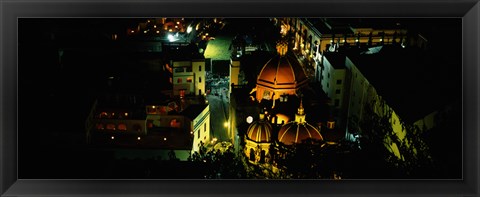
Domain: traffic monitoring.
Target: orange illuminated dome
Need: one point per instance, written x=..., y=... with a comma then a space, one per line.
x=260, y=131
x=281, y=75
x=296, y=131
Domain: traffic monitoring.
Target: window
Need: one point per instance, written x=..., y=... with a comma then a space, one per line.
x=198, y=135
x=252, y=154
x=339, y=81
x=189, y=80
x=104, y=115
x=337, y=91
x=179, y=70
x=204, y=127
x=337, y=102
x=175, y=123
x=182, y=92
x=328, y=75
x=199, y=79
x=150, y=124
x=179, y=80
x=327, y=85
x=262, y=156
x=122, y=127
x=199, y=68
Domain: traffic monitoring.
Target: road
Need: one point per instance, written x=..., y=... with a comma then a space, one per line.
x=218, y=114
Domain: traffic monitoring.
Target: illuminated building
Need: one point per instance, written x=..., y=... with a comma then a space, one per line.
x=280, y=76
x=188, y=77
x=298, y=130
x=258, y=140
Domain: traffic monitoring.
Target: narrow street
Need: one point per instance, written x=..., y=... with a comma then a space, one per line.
x=218, y=112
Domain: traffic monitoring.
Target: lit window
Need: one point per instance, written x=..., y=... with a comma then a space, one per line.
x=150, y=125
x=175, y=123
x=330, y=124
x=103, y=115
x=189, y=80
x=182, y=92
x=122, y=127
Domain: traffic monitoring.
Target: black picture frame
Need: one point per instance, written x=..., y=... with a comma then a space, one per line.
x=10, y=11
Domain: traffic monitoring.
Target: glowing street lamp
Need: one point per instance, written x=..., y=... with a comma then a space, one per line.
x=225, y=124
x=189, y=29
x=249, y=119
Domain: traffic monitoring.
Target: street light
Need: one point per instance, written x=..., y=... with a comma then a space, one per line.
x=249, y=119
x=225, y=124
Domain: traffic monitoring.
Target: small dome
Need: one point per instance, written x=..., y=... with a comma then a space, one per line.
x=260, y=131
x=298, y=130
x=294, y=132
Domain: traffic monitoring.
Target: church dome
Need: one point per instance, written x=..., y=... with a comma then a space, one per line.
x=293, y=133
x=260, y=131
x=281, y=75
x=282, y=72
x=298, y=130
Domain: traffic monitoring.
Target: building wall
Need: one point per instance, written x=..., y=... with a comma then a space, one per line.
x=311, y=43
x=189, y=76
x=198, y=67
x=257, y=148
x=333, y=83
x=234, y=72
x=363, y=93
x=200, y=128
x=117, y=126
x=156, y=120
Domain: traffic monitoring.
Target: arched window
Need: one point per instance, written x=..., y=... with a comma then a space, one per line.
x=262, y=156
x=175, y=123
x=252, y=155
x=122, y=127
x=103, y=115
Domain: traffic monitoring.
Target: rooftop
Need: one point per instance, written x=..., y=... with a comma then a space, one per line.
x=337, y=60
x=193, y=110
